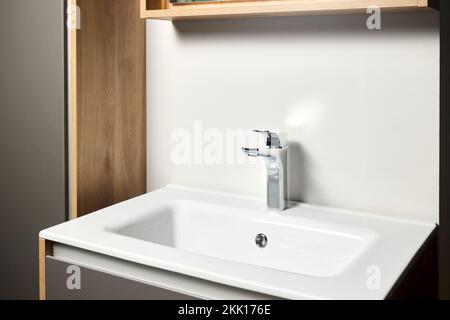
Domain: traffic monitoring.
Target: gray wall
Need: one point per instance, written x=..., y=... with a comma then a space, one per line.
x=32, y=145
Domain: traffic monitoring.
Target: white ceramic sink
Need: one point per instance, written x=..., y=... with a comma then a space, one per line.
x=302, y=247
x=311, y=252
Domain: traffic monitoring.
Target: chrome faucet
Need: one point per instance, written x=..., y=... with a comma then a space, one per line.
x=275, y=156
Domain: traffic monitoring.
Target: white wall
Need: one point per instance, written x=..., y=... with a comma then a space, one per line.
x=361, y=108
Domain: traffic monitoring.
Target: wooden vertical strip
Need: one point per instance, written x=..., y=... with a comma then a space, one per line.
x=73, y=65
x=45, y=249
x=142, y=7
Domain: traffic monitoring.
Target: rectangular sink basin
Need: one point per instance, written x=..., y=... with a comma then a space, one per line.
x=306, y=252
x=225, y=233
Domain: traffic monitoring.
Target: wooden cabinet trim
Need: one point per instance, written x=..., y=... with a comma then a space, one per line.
x=45, y=249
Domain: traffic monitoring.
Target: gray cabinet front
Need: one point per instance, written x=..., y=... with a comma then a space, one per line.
x=62, y=284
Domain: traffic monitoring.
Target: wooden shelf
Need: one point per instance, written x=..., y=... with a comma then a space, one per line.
x=161, y=9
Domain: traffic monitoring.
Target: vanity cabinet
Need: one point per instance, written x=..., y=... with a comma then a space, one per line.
x=70, y=273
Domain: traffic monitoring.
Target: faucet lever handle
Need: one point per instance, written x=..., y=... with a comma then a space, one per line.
x=256, y=152
x=251, y=152
x=273, y=139
x=262, y=131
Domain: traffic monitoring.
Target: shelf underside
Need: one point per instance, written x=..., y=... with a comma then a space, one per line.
x=234, y=9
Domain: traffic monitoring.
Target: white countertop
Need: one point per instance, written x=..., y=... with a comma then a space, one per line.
x=312, y=252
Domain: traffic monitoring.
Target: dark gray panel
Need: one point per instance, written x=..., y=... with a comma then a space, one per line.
x=444, y=176
x=32, y=136
x=97, y=285
x=420, y=279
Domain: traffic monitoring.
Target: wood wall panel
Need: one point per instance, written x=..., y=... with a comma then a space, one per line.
x=111, y=104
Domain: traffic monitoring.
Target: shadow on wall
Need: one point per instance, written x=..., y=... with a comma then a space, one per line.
x=411, y=23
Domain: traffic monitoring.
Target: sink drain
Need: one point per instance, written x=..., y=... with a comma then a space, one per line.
x=261, y=240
